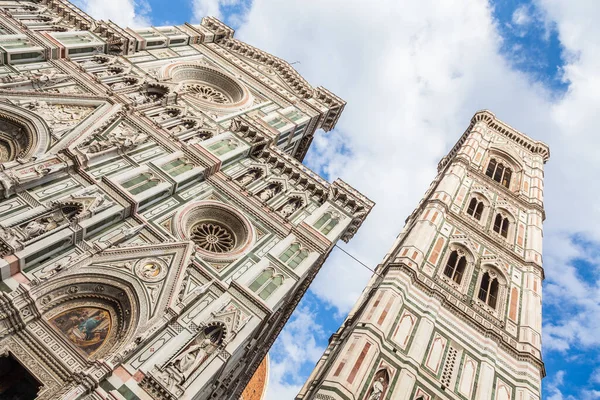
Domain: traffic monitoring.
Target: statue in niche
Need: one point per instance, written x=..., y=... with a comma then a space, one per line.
x=269, y=192
x=63, y=213
x=379, y=386
x=122, y=84
x=112, y=71
x=46, y=223
x=290, y=207
x=9, y=236
x=37, y=227
x=145, y=96
x=96, y=60
x=249, y=177
x=377, y=389
x=186, y=362
x=165, y=115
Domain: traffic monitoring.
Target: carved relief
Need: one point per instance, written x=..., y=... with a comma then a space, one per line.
x=123, y=137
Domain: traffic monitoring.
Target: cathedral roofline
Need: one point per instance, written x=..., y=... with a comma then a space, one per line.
x=224, y=35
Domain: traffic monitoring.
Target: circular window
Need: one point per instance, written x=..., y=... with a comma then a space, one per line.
x=14, y=140
x=207, y=93
x=213, y=236
x=211, y=88
x=219, y=231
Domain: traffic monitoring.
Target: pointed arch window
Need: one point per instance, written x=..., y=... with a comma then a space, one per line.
x=177, y=166
x=488, y=290
x=499, y=172
x=223, y=146
x=140, y=183
x=326, y=223
x=277, y=123
x=501, y=225
x=321, y=221
x=293, y=255
x=266, y=283
x=475, y=209
x=455, y=266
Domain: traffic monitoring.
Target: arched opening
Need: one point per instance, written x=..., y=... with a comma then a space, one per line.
x=501, y=225
x=499, y=172
x=455, y=267
x=23, y=133
x=15, y=381
x=92, y=315
x=488, y=290
x=475, y=208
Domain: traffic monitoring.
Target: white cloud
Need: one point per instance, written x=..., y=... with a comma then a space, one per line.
x=553, y=386
x=214, y=8
x=521, y=16
x=595, y=377
x=413, y=74
x=126, y=13
x=296, y=346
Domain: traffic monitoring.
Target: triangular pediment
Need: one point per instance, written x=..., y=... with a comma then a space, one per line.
x=66, y=117
x=158, y=269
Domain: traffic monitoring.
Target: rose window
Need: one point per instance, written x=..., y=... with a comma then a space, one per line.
x=208, y=93
x=219, y=231
x=208, y=87
x=213, y=237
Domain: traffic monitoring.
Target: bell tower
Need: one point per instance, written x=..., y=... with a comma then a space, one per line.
x=454, y=310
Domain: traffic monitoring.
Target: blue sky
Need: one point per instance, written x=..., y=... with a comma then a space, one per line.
x=413, y=74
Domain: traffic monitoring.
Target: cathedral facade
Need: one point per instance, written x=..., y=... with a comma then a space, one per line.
x=157, y=226
x=454, y=310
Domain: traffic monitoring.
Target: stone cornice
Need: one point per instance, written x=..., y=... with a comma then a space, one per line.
x=432, y=289
x=524, y=141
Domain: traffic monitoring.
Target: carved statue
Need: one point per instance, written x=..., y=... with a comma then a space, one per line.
x=192, y=357
x=98, y=60
x=49, y=78
x=123, y=137
x=289, y=208
x=9, y=236
x=164, y=115
x=143, y=97
x=249, y=177
x=42, y=225
x=267, y=193
x=121, y=85
x=109, y=72
x=34, y=228
x=377, y=388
